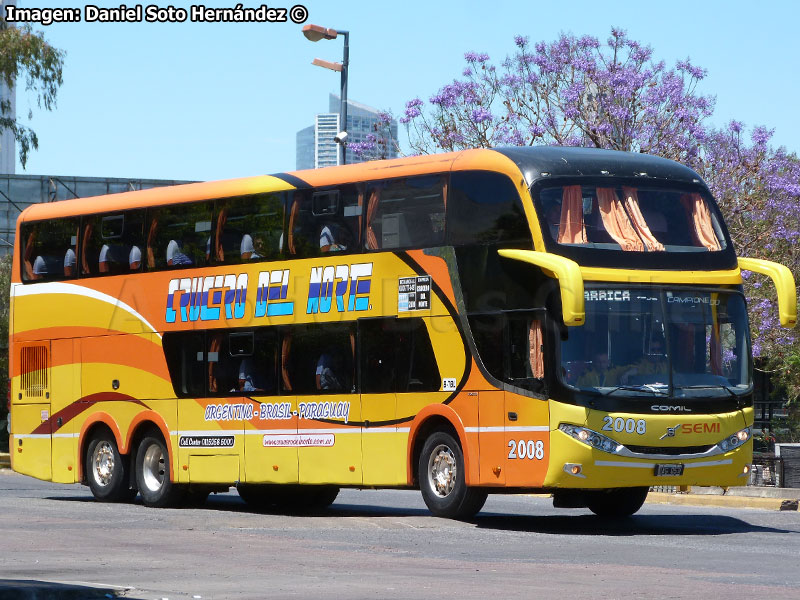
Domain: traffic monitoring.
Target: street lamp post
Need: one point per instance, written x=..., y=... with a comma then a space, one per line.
x=316, y=33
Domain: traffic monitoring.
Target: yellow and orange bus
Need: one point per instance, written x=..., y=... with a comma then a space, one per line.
x=555, y=320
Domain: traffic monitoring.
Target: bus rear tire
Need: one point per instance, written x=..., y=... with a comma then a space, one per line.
x=153, y=474
x=622, y=502
x=442, y=479
x=107, y=470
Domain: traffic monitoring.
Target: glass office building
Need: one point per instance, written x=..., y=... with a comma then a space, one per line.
x=315, y=145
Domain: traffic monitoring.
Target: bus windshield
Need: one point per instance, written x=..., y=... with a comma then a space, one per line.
x=643, y=219
x=668, y=342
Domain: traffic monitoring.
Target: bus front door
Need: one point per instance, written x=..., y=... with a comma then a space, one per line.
x=527, y=440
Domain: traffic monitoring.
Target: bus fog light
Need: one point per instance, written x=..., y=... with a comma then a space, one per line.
x=746, y=469
x=574, y=469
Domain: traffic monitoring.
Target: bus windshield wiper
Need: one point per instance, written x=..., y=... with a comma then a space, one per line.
x=708, y=386
x=647, y=387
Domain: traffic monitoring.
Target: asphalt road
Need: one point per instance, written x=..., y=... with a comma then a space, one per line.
x=384, y=544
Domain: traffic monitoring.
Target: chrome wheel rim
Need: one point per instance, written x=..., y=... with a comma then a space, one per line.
x=442, y=471
x=103, y=462
x=154, y=468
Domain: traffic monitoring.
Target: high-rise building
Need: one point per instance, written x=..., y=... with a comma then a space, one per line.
x=8, y=98
x=315, y=145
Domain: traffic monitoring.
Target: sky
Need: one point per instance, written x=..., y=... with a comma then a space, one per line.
x=200, y=101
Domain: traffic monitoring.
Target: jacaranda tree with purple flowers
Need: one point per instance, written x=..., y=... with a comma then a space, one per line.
x=572, y=92
x=577, y=91
x=758, y=189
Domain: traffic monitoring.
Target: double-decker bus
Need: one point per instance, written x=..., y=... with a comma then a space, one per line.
x=551, y=320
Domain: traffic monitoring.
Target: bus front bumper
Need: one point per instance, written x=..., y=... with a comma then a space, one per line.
x=578, y=466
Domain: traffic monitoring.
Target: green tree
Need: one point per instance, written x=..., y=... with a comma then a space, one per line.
x=25, y=56
x=5, y=288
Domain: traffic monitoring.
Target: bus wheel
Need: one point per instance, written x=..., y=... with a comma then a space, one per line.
x=315, y=497
x=299, y=499
x=622, y=502
x=153, y=474
x=256, y=496
x=107, y=470
x=442, y=479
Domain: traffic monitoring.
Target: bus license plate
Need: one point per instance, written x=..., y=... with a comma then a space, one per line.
x=669, y=470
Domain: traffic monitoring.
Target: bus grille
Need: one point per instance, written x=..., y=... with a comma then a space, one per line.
x=671, y=451
x=34, y=365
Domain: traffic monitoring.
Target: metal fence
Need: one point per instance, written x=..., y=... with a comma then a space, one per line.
x=767, y=470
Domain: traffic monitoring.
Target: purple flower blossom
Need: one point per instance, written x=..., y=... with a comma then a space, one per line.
x=475, y=57
x=479, y=115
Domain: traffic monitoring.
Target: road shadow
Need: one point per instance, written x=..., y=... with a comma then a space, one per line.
x=23, y=589
x=561, y=524
x=233, y=503
x=641, y=524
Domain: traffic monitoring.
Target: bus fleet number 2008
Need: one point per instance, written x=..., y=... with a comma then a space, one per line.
x=526, y=449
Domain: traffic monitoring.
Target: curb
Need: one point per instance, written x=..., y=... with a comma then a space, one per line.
x=715, y=500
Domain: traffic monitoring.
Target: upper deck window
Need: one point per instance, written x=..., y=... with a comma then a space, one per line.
x=485, y=208
x=112, y=244
x=50, y=250
x=406, y=213
x=179, y=236
x=249, y=228
x=631, y=219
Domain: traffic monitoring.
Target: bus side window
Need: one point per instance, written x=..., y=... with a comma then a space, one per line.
x=511, y=348
x=319, y=359
x=111, y=244
x=186, y=361
x=51, y=250
x=397, y=356
x=525, y=353
x=485, y=208
x=406, y=213
x=324, y=221
x=249, y=228
x=249, y=360
x=487, y=331
x=179, y=236
x=338, y=213
x=302, y=227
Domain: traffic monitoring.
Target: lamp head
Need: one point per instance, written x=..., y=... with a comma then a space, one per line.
x=316, y=33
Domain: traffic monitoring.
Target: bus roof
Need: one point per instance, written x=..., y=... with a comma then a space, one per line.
x=547, y=162
x=535, y=163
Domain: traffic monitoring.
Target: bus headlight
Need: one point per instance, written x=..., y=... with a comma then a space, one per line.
x=735, y=440
x=591, y=438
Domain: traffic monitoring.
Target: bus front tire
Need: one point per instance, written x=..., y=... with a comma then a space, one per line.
x=153, y=474
x=107, y=470
x=622, y=502
x=442, y=479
